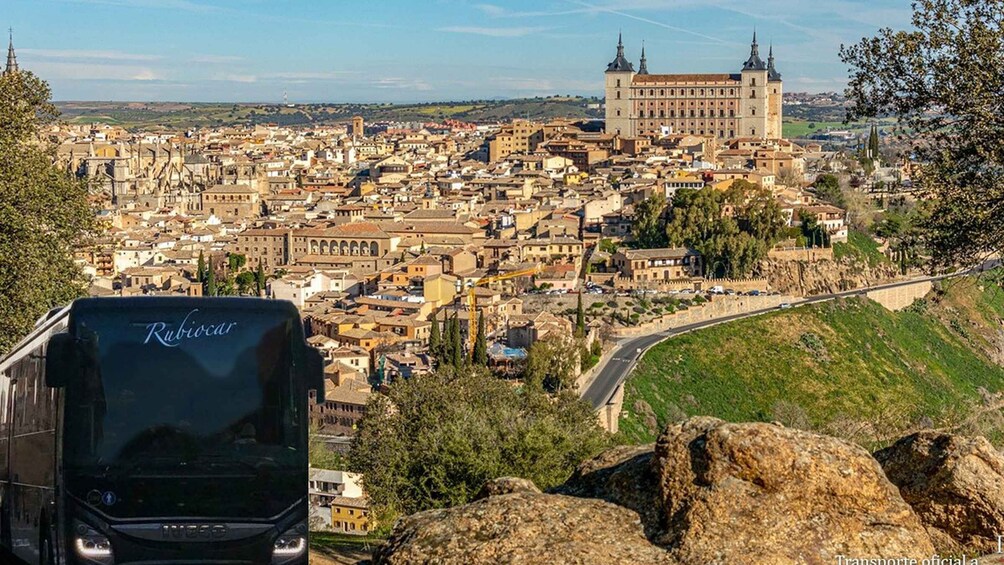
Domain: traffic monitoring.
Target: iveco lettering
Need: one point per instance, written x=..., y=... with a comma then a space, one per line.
x=158, y=430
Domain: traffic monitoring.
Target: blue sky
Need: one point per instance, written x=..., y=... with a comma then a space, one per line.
x=416, y=50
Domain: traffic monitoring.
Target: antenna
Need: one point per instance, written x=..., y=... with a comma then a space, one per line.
x=285, y=99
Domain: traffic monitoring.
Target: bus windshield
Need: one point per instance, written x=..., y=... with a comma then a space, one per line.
x=184, y=395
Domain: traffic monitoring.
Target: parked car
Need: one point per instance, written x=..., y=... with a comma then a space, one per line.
x=716, y=290
x=754, y=293
x=784, y=306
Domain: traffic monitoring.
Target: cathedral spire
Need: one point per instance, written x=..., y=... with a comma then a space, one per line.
x=11, y=58
x=643, y=64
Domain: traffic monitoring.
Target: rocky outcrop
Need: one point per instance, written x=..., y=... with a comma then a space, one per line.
x=624, y=476
x=762, y=493
x=522, y=528
x=823, y=277
x=506, y=485
x=954, y=484
x=708, y=492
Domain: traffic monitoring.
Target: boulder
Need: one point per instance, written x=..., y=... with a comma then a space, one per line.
x=761, y=493
x=622, y=475
x=955, y=485
x=506, y=485
x=525, y=528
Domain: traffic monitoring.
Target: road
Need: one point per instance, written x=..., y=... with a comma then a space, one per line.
x=629, y=350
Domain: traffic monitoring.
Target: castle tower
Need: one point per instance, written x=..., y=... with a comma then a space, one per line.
x=775, y=91
x=11, y=58
x=619, y=74
x=643, y=63
x=754, y=95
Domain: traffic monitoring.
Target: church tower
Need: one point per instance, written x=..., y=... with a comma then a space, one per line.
x=775, y=90
x=754, y=91
x=619, y=74
x=11, y=58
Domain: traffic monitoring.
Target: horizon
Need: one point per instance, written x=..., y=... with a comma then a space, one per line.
x=225, y=51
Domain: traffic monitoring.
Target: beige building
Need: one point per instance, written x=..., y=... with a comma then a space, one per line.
x=231, y=202
x=667, y=264
x=351, y=239
x=724, y=105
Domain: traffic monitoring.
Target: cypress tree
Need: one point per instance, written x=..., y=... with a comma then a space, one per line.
x=435, y=338
x=200, y=270
x=211, y=279
x=580, y=319
x=446, y=347
x=259, y=280
x=458, y=344
x=480, y=354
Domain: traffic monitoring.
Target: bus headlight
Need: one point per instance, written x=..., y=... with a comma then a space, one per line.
x=289, y=545
x=90, y=543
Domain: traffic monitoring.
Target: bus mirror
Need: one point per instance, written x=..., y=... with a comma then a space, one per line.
x=62, y=359
x=315, y=373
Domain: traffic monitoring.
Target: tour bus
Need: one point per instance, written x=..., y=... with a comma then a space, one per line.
x=157, y=430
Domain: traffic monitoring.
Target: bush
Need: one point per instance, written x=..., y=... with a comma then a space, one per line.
x=433, y=441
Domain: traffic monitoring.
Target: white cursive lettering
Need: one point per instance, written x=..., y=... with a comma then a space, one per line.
x=173, y=338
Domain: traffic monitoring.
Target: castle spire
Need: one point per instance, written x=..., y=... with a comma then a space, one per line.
x=643, y=64
x=11, y=58
x=620, y=63
x=754, y=63
x=772, y=73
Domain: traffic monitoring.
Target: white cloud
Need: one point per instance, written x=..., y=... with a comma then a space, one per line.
x=401, y=83
x=214, y=59
x=494, y=31
x=87, y=54
x=89, y=71
x=237, y=78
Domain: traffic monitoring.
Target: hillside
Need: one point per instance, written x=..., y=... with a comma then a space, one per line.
x=848, y=368
x=176, y=116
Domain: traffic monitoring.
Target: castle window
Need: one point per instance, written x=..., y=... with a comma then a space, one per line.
x=702, y=92
x=691, y=91
x=732, y=133
x=618, y=83
x=691, y=113
x=618, y=112
x=753, y=111
x=775, y=91
x=753, y=81
x=732, y=113
x=752, y=131
x=618, y=94
x=752, y=94
x=722, y=92
x=702, y=113
x=662, y=113
x=672, y=113
x=672, y=92
x=732, y=92
x=651, y=92
x=662, y=92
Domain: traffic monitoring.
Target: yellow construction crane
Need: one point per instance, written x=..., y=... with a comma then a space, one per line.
x=472, y=299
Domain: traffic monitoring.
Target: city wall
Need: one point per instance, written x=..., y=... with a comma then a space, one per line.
x=900, y=297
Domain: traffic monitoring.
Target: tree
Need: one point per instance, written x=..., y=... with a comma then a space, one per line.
x=211, y=289
x=446, y=349
x=44, y=211
x=873, y=143
x=731, y=245
x=236, y=261
x=433, y=442
x=457, y=350
x=259, y=280
x=943, y=81
x=580, y=318
x=648, y=226
x=435, y=338
x=245, y=282
x=552, y=363
x=200, y=270
x=479, y=356
x=827, y=189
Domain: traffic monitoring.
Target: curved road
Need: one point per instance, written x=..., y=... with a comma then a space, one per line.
x=629, y=350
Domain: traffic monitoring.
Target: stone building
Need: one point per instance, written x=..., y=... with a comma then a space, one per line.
x=724, y=105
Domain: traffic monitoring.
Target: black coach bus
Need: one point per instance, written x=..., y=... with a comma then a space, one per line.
x=157, y=430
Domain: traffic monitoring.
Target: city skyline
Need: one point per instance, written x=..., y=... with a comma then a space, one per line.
x=228, y=51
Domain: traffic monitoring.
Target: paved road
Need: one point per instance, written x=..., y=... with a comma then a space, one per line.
x=629, y=350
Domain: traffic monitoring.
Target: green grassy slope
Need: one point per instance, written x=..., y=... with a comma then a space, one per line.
x=849, y=368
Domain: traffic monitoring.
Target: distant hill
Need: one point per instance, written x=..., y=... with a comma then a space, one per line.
x=176, y=116
x=848, y=368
